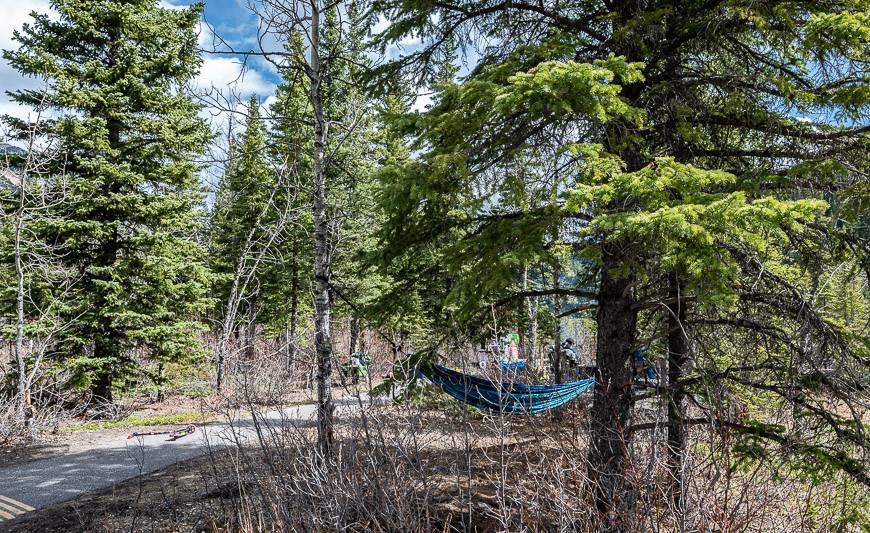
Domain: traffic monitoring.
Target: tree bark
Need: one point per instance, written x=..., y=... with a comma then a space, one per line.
x=678, y=351
x=557, y=333
x=354, y=335
x=322, y=305
x=161, y=383
x=20, y=361
x=251, y=329
x=611, y=406
x=294, y=308
x=106, y=343
x=101, y=388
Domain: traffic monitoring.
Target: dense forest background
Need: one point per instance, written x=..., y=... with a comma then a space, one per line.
x=684, y=182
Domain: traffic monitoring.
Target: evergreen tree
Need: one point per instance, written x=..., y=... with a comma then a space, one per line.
x=246, y=227
x=413, y=287
x=243, y=196
x=115, y=71
x=337, y=120
x=351, y=191
x=290, y=147
x=669, y=139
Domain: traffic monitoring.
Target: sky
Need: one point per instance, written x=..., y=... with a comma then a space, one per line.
x=222, y=78
x=231, y=19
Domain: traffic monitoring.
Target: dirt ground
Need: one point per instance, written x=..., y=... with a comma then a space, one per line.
x=184, y=497
x=72, y=435
x=198, y=495
x=453, y=462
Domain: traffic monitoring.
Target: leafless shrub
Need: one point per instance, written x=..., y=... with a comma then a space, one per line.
x=14, y=430
x=413, y=468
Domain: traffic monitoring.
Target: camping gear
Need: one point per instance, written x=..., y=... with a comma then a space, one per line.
x=513, y=365
x=503, y=397
x=358, y=367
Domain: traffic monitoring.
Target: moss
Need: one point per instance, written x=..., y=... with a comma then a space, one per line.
x=140, y=421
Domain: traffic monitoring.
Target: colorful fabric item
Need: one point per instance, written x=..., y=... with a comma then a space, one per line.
x=514, y=398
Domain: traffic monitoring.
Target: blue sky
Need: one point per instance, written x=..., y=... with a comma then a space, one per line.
x=234, y=21
x=231, y=19
x=223, y=79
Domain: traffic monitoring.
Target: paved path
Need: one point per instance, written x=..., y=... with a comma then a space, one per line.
x=40, y=483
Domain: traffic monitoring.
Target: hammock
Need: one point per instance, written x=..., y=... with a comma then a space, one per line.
x=507, y=397
x=513, y=365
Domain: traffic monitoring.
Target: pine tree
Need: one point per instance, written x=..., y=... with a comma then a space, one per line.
x=247, y=225
x=290, y=148
x=412, y=287
x=351, y=191
x=115, y=73
x=334, y=116
x=685, y=174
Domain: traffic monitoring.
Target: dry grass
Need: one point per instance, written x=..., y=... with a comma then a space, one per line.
x=440, y=467
x=404, y=468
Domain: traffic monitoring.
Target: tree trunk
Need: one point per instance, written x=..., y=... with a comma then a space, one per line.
x=161, y=383
x=294, y=309
x=322, y=306
x=108, y=338
x=101, y=387
x=107, y=345
x=678, y=351
x=242, y=274
x=557, y=333
x=354, y=335
x=396, y=345
x=251, y=329
x=23, y=406
x=403, y=341
x=610, y=415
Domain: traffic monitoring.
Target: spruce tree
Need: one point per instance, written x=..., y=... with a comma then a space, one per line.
x=290, y=149
x=688, y=144
x=350, y=195
x=413, y=287
x=115, y=73
x=246, y=224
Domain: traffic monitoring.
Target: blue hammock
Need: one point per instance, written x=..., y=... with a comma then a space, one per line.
x=508, y=397
x=513, y=365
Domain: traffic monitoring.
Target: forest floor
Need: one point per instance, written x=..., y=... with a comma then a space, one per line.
x=89, y=459
x=429, y=468
x=204, y=494
x=76, y=434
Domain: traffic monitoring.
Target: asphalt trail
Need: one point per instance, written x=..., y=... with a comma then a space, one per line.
x=33, y=485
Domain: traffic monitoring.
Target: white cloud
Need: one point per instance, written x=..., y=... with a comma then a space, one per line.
x=226, y=73
x=14, y=16
x=229, y=73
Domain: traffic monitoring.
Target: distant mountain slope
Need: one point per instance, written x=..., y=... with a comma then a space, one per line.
x=8, y=149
